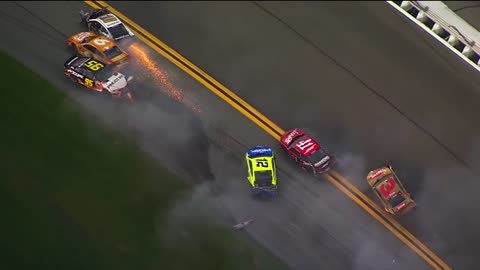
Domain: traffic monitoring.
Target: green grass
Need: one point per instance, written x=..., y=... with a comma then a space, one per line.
x=74, y=196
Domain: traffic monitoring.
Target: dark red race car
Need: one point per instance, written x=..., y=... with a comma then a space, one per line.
x=306, y=151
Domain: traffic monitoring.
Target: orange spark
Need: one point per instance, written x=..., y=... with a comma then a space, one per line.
x=161, y=77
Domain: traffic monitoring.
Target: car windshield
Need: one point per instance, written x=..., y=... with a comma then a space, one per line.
x=104, y=73
x=88, y=39
x=263, y=178
x=113, y=52
x=396, y=199
x=316, y=156
x=79, y=61
x=294, y=142
x=118, y=30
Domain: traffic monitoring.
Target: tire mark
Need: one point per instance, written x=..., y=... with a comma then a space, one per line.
x=30, y=28
x=368, y=87
x=57, y=30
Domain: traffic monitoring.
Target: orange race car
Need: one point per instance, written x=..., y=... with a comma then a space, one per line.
x=389, y=189
x=102, y=48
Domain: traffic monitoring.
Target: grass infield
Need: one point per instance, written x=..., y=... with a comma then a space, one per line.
x=75, y=196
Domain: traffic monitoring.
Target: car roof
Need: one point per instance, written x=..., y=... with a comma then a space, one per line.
x=109, y=20
x=79, y=63
x=98, y=61
x=306, y=145
x=255, y=168
x=108, y=43
x=393, y=186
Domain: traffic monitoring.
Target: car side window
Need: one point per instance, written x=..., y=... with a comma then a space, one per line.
x=273, y=165
x=398, y=182
x=250, y=167
x=103, y=30
x=378, y=193
x=95, y=26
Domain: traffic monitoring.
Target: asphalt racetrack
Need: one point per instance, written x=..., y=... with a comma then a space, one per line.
x=366, y=82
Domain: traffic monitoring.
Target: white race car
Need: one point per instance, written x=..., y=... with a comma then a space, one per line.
x=102, y=22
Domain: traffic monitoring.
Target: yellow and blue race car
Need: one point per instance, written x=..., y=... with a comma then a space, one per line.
x=261, y=170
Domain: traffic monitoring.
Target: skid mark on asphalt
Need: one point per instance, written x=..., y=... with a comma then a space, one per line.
x=368, y=87
x=31, y=27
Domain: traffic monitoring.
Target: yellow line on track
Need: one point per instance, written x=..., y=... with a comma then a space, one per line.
x=275, y=131
x=384, y=222
x=388, y=217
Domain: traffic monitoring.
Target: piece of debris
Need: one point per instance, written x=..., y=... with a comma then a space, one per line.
x=242, y=225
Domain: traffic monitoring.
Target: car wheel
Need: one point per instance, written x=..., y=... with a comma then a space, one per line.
x=73, y=79
x=105, y=93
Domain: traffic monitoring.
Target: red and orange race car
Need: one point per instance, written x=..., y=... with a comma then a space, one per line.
x=307, y=152
x=387, y=186
x=102, y=48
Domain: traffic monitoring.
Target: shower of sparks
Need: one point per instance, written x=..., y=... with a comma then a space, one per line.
x=160, y=77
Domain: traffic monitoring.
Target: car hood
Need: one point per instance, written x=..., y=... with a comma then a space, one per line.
x=115, y=83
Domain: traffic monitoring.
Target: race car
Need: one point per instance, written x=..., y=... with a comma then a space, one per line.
x=306, y=152
x=101, y=48
x=262, y=173
x=102, y=22
x=97, y=76
x=391, y=192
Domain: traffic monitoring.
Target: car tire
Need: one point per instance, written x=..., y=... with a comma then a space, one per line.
x=105, y=93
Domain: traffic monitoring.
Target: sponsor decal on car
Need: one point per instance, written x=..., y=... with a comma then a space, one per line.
x=82, y=36
x=401, y=206
x=74, y=73
x=110, y=84
x=377, y=174
x=325, y=159
x=263, y=150
x=306, y=146
x=290, y=136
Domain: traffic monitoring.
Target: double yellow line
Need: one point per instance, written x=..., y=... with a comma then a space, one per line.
x=275, y=131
